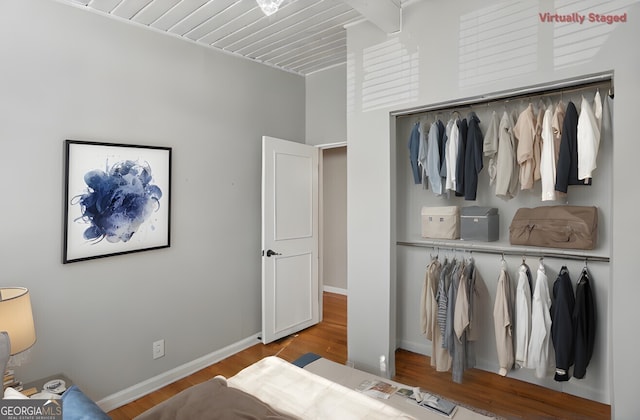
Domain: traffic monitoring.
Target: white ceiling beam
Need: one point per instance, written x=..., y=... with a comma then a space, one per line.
x=385, y=14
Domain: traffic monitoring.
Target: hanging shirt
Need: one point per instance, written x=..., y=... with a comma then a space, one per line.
x=506, y=161
x=473, y=157
x=540, y=340
x=422, y=158
x=562, y=329
x=584, y=320
x=525, y=131
x=606, y=127
x=433, y=160
x=556, y=124
x=442, y=143
x=503, y=322
x=414, y=147
x=452, y=156
x=490, y=146
x=547, y=159
x=588, y=136
x=440, y=358
x=523, y=316
x=461, y=319
x=537, y=142
x=456, y=346
x=442, y=297
x=428, y=304
x=453, y=278
x=462, y=147
x=567, y=167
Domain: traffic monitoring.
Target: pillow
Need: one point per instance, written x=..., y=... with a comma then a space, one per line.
x=12, y=394
x=77, y=406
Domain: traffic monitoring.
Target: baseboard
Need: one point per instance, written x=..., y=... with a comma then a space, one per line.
x=420, y=348
x=336, y=290
x=141, y=389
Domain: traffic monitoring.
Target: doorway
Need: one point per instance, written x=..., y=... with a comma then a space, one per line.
x=333, y=218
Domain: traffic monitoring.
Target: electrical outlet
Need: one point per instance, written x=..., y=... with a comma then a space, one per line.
x=158, y=349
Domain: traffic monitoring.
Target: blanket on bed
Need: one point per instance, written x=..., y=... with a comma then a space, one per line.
x=210, y=400
x=275, y=389
x=306, y=395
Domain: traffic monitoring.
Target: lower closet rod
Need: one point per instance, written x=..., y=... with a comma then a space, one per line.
x=507, y=251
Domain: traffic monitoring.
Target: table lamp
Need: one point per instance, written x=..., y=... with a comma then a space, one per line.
x=17, y=332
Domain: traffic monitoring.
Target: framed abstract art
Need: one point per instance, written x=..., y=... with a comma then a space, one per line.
x=117, y=199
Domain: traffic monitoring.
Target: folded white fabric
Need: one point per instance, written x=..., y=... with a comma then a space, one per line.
x=12, y=394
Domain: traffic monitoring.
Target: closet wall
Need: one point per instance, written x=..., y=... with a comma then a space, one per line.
x=414, y=253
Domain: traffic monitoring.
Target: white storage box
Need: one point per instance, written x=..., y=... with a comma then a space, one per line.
x=441, y=222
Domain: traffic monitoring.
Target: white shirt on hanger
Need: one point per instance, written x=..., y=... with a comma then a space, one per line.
x=523, y=316
x=538, y=354
x=452, y=156
x=588, y=136
x=547, y=158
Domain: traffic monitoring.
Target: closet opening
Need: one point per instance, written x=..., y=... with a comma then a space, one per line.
x=414, y=253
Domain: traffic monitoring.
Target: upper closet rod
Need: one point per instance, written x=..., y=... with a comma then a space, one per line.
x=506, y=251
x=581, y=82
x=606, y=86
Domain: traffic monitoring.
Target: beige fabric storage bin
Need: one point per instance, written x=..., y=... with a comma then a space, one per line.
x=441, y=222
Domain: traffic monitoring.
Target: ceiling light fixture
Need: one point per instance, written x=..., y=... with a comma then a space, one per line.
x=269, y=7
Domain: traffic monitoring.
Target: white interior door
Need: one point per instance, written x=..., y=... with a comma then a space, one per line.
x=290, y=290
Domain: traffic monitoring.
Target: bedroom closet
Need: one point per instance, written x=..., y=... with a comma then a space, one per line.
x=414, y=253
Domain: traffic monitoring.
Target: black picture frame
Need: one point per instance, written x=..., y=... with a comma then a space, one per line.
x=117, y=199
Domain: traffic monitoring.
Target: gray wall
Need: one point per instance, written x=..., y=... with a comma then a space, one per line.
x=433, y=35
x=334, y=219
x=326, y=123
x=69, y=74
x=326, y=115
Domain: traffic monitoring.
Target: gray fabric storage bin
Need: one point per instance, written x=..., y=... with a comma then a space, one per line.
x=479, y=224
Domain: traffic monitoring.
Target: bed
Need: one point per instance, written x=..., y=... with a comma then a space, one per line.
x=310, y=388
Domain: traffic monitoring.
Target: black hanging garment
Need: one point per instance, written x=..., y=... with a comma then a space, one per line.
x=562, y=330
x=567, y=165
x=584, y=320
x=462, y=146
x=473, y=156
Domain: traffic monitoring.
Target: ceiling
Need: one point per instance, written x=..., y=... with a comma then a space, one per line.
x=303, y=37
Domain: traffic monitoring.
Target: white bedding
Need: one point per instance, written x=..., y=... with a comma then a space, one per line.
x=308, y=395
x=295, y=391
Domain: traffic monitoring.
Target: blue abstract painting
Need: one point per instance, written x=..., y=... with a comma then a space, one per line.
x=117, y=199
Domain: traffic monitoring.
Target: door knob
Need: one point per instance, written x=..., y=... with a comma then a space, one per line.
x=271, y=252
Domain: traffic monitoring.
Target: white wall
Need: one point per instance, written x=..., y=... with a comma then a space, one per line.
x=69, y=74
x=431, y=41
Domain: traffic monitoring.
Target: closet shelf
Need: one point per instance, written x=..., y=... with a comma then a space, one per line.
x=484, y=247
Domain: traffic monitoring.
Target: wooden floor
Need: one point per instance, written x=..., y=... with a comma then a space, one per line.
x=506, y=397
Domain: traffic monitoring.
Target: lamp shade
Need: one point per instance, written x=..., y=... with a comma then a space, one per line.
x=16, y=318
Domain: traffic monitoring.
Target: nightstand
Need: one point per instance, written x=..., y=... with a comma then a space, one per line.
x=38, y=384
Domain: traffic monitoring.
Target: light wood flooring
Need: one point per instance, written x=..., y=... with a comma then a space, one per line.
x=506, y=397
